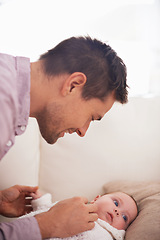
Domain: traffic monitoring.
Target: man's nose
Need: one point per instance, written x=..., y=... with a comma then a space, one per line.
x=82, y=131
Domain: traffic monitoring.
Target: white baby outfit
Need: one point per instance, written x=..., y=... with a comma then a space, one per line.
x=101, y=231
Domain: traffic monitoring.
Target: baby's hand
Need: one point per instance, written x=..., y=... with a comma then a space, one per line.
x=36, y=195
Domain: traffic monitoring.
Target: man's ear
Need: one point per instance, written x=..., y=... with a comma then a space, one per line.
x=73, y=82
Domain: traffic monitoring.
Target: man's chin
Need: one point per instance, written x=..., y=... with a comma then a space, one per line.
x=50, y=140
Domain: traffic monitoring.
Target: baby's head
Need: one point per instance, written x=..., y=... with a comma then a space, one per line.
x=118, y=209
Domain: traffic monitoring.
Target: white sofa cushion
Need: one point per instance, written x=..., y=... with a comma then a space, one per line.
x=21, y=164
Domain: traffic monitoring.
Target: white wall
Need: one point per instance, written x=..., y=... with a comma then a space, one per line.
x=31, y=27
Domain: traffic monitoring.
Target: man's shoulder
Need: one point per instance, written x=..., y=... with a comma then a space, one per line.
x=7, y=58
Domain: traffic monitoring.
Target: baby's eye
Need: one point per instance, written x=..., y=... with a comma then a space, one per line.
x=125, y=218
x=116, y=203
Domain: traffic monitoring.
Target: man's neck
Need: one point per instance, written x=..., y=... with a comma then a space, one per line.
x=37, y=89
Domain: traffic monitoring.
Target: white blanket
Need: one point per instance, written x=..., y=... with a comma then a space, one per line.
x=101, y=231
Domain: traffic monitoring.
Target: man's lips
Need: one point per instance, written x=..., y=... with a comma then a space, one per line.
x=67, y=131
x=61, y=134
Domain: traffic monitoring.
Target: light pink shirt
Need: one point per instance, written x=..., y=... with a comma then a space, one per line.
x=14, y=114
x=14, y=99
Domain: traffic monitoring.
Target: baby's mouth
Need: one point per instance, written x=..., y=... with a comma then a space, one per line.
x=110, y=216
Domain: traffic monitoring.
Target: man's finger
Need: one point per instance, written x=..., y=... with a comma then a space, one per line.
x=27, y=188
x=28, y=209
x=93, y=217
x=28, y=201
x=85, y=200
x=90, y=225
x=92, y=208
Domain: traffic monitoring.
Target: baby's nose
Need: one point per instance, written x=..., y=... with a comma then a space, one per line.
x=116, y=212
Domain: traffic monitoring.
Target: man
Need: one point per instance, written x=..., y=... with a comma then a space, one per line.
x=71, y=85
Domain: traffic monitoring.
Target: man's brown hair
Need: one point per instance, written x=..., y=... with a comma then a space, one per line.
x=104, y=70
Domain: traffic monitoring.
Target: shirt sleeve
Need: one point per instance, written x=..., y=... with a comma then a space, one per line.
x=26, y=228
x=7, y=137
x=8, y=105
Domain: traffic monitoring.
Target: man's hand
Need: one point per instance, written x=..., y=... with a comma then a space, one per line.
x=67, y=218
x=14, y=201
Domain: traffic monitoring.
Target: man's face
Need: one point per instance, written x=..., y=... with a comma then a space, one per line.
x=118, y=209
x=72, y=115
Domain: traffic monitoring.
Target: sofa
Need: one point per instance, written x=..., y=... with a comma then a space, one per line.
x=121, y=152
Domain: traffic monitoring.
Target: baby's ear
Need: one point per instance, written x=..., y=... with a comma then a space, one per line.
x=95, y=199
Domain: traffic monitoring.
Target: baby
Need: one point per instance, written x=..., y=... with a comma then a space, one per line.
x=115, y=211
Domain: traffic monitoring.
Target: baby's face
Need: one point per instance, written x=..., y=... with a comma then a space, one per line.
x=118, y=209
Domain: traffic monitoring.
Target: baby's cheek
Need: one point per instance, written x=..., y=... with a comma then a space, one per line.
x=119, y=224
x=102, y=216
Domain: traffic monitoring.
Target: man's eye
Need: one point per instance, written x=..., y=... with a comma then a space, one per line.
x=125, y=218
x=116, y=203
